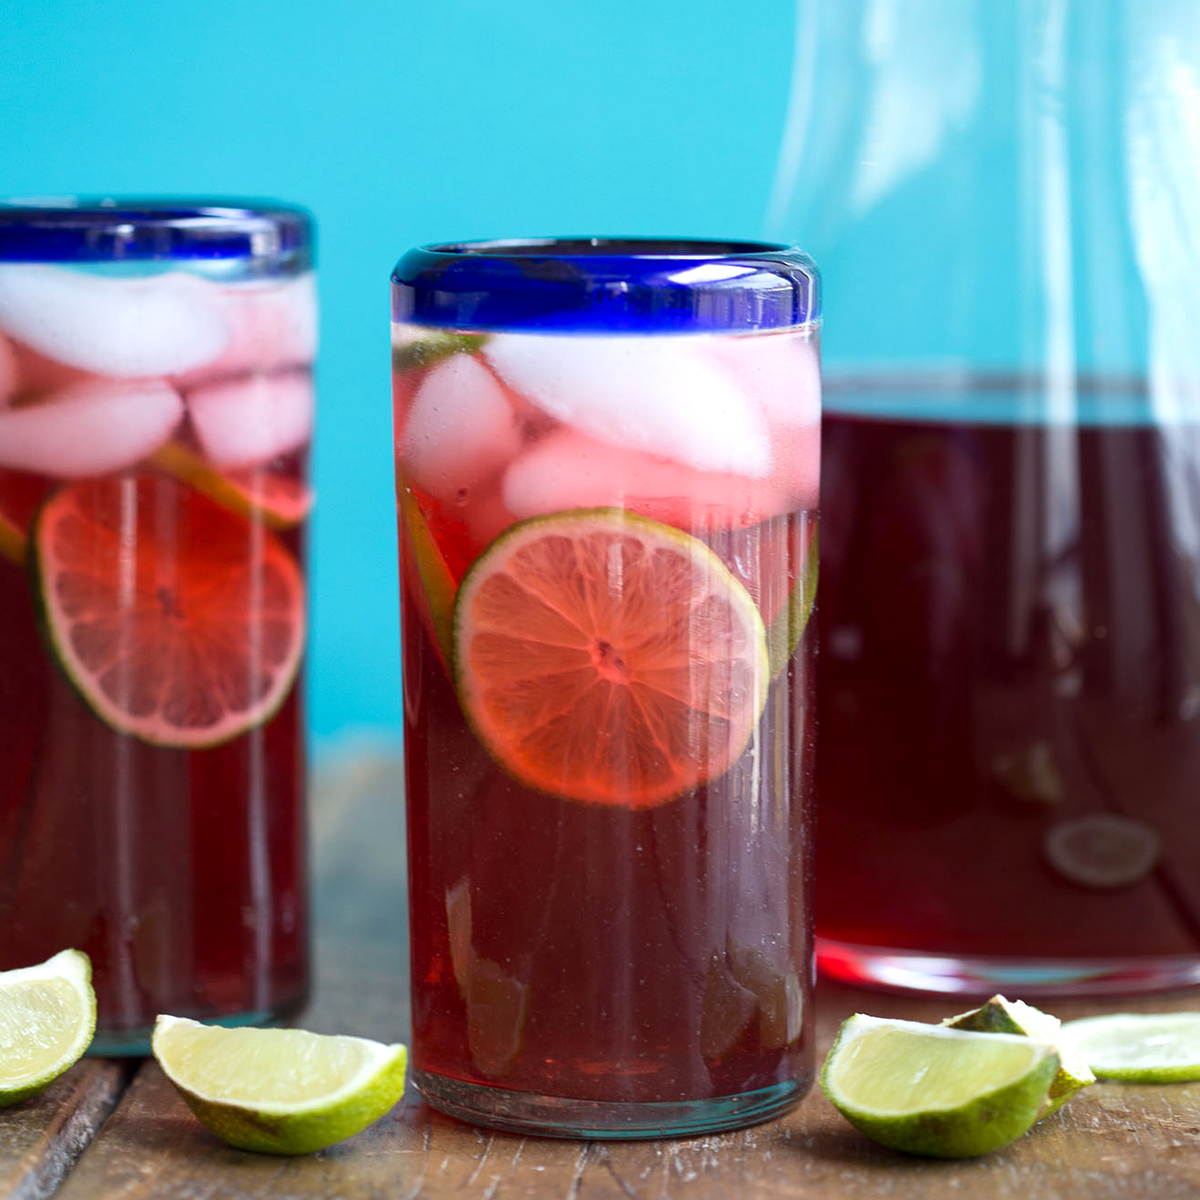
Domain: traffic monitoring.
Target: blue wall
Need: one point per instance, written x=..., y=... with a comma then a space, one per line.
x=398, y=123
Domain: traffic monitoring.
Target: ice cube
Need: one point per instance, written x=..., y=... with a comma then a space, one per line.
x=460, y=431
x=161, y=325
x=89, y=428
x=662, y=395
x=37, y=374
x=272, y=325
x=8, y=371
x=569, y=470
x=241, y=422
x=780, y=371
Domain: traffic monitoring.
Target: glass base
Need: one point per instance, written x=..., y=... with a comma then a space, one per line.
x=969, y=975
x=559, y=1116
x=128, y=1043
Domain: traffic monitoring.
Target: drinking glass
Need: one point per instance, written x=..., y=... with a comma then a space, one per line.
x=607, y=460
x=1006, y=200
x=155, y=416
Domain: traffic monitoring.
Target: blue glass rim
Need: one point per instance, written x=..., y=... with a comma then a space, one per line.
x=87, y=229
x=613, y=285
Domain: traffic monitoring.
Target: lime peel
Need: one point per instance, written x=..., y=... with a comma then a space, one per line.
x=47, y=1021
x=279, y=1091
x=1000, y=1015
x=935, y=1091
x=1139, y=1047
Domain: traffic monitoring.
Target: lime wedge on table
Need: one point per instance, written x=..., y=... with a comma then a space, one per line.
x=47, y=1018
x=1000, y=1015
x=1139, y=1047
x=931, y=1090
x=279, y=1091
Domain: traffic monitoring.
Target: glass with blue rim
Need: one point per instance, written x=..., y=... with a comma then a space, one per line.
x=156, y=411
x=607, y=457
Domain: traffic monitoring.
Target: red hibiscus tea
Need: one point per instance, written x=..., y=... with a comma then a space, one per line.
x=1010, y=683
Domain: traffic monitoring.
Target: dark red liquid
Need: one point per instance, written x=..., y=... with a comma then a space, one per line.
x=181, y=873
x=1010, y=645
x=598, y=951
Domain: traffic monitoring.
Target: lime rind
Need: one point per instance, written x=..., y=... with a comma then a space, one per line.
x=19, y=1028
x=412, y=350
x=437, y=582
x=964, y=1093
x=788, y=625
x=1001, y=1015
x=1139, y=1047
x=576, y=522
x=276, y=1125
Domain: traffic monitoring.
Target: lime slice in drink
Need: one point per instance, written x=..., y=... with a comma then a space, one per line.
x=437, y=583
x=279, y=1091
x=605, y=657
x=175, y=620
x=413, y=346
x=280, y=501
x=927, y=1089
x=1139, y=1047
x=1000, y=1015
x=788, y=625
x=47, y=1018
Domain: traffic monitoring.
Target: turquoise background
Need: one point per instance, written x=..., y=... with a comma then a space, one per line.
x=398, y=124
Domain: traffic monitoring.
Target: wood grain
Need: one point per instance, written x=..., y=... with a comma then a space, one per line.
x=41, y=1138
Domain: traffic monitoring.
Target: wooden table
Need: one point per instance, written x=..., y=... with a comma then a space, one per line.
x=113, y=1128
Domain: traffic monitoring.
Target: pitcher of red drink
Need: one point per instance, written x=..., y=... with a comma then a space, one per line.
x=1006, y=201
x=607, y=457
x=156, y=412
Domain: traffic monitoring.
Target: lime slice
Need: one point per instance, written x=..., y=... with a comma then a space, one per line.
x=788, y=625
x=278, y=1091
x=1139, y=1047
x=1000, y=1015
x=605, y=657
x=280, y=500
x=175, y=620
x=47, y=1018
x=927, y=1089
x=414, y=347
x=437, y=583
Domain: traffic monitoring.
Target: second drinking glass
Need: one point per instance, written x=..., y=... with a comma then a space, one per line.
x=608, y=457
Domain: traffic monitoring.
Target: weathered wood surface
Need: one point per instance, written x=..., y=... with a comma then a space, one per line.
x=1114, y=1141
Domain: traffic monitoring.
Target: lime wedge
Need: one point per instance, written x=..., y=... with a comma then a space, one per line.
x=931, y=1090
x=47, y=1018
x=1139, y=1047
x=278, y=1091
x=1000, y=1015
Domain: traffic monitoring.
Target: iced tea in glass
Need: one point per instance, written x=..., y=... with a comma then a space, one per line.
x=156, y=412
x=607, y=457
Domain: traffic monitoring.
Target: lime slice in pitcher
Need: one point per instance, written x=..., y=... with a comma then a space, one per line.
x=175, y=620
x=47, y=1018
x=279, y=1091
x=605, y=657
